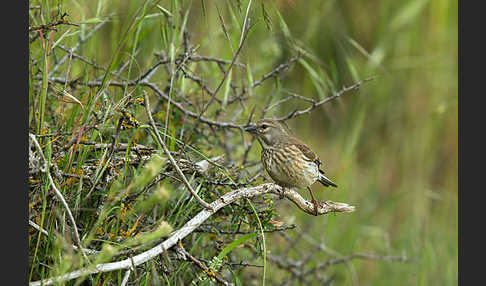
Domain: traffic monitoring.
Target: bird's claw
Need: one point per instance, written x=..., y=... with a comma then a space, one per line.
x=317, y=205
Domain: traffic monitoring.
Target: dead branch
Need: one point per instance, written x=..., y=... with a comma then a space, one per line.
x=196, y=221
x=315, y=103
x=199, y=264
x=59, y=194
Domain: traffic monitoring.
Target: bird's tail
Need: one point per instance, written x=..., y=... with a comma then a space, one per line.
x=325, y=180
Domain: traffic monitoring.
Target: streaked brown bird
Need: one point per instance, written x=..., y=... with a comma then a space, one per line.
x=289, y=162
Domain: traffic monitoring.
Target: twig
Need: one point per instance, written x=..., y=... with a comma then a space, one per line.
x=244, y=33
x=51, y=26
x=125, y=278
x=198, y=58
x=120, y=147
x=345, y=259
x=160, y=93
x=36, y=226
x=199, y=264
x=78, y=44
x=277, y=229
x=167, y=152
x=277, y=70
x=196, y=221
x=59, y=195
x=315, y=104
x=76, y=56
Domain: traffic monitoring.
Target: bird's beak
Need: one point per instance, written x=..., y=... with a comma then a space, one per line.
x=251, y=128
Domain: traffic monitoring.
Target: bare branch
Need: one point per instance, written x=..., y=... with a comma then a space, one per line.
x=196, y=221
x=36, y=226
x=160, y=93
x=199, y=264
x=244, y=33
x=45, y=232
x=198, y=58
x=315, y=104
x=277, y=70
x=125, y=278
x=59, y=195
x=78, y=44
x=52, y=26
x=350, y=257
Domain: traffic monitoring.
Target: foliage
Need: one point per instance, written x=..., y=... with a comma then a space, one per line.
x=391, y=146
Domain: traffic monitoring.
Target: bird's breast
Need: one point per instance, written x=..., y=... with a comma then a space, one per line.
x=288, y=167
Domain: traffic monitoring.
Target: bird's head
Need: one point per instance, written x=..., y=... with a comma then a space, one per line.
x=268, y=132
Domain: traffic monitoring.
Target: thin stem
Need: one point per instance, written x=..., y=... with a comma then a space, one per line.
x=167, y=152
x=59, y=195
x=264, y=250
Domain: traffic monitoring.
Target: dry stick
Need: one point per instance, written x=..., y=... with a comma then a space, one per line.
x=120, y=147
x=160, y=93
x=202, y=266
x=365, y=256
x=197, y=58
x=277, y=70
x=206, y=120
x=125, y=278
x=327, y=99
x=78, y=44
x=174, y=71
x=51, y=26
x=196, y=221
x=59, y=195
x=274, y=73
x=244, y=33
x=36, y=226
x=277, y=229
x=43, y=231
x=162, y=143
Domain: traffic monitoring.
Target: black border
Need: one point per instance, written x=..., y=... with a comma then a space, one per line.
x=471, y=131
x=14, y=118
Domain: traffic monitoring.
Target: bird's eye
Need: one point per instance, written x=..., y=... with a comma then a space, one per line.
x=264, y=127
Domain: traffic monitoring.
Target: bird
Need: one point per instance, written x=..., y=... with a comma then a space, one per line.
x=288, y=160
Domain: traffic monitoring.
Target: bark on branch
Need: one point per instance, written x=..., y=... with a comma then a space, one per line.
x=195, y=222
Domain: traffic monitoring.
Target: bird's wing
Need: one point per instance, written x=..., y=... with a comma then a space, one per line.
x=308, y=153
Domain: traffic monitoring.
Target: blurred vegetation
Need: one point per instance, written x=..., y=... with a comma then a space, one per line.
x=391, y=146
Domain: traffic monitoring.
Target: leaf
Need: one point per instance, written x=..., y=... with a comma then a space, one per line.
x=249, y=78
x=266, y=18
x=165, y=11
x=408, y=14
x=283, y=26
x=63, y=36
x=227, y=89
x=317, y=80
x=71, y=97
x=95, y=20
x=235, y=243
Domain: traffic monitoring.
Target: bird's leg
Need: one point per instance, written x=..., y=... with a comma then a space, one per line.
x=316, y=203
